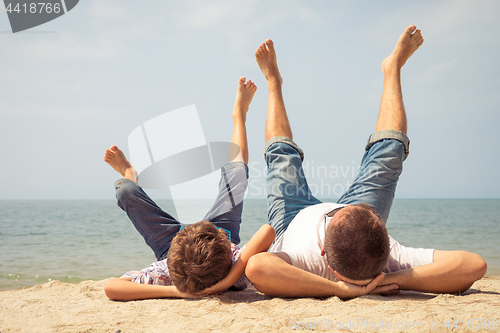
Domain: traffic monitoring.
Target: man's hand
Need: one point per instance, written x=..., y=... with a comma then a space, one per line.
x=349, y=290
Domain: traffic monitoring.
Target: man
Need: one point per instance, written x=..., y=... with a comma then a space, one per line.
x=327, y=249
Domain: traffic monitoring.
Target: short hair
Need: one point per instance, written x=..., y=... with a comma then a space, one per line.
x=357, y=247
x=200, y=255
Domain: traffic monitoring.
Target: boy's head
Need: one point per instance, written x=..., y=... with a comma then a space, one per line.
x=357, y=242
x=199, y=257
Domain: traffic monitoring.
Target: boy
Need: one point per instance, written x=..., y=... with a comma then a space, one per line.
x=198, y=259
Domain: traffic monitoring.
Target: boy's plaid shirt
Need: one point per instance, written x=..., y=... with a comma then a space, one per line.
x=157, y=273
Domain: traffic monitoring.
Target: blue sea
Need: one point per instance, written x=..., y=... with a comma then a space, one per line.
x=73, y=241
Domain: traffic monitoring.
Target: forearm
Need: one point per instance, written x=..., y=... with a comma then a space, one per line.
x=272, y=276
x=126, y=290
x=260, y=242
x=453, y=272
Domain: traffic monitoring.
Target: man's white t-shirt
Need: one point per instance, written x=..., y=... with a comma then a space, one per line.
x=304, y=238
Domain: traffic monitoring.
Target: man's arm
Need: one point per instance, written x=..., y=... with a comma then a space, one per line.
x=123, y=289
x=451, y=272
x=260, y=242
x=272, y=274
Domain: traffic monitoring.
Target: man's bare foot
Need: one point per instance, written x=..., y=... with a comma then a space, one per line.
x=115, y=157
x=407, y=44
x=244, y=95
x=266, y=58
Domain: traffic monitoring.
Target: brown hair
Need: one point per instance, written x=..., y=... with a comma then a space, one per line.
x=357, y=247
x=199, y=257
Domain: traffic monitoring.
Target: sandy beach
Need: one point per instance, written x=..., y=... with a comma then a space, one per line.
x=83, y=307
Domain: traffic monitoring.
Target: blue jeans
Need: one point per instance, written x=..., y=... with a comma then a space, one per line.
x=288, y=192
x=158, y=228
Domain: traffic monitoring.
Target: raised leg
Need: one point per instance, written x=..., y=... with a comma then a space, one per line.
x=277, y=123
x=286, y=185
x=227, y=208
x=382, y=162
x=244, y=96
x=156, y=226
x=392, y=113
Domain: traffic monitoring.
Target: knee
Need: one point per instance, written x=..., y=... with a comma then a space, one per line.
x=125, y=189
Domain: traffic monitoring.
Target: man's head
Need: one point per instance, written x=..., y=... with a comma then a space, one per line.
x=357, y=243
x=199, y=257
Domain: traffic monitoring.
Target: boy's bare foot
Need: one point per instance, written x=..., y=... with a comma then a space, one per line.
x=115, y=157
x=407, y=44
x=244, y=95
x=266, y=58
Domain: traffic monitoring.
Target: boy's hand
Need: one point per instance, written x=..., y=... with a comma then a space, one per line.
x=187, y=294
x=216, y=289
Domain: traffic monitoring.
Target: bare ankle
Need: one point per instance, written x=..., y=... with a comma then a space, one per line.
x=131, y=174
x=239, y=114
x=391, y=67
x=392, y=71
x=274, y=82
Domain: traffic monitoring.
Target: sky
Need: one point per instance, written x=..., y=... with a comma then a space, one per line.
x=74, y=86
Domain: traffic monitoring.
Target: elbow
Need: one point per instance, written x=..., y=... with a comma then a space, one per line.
x=251, y=270
x=255, y=269
x=476, y=268
x=270, y=231
x=479, y=266
x=111, y=290
x=271, y=236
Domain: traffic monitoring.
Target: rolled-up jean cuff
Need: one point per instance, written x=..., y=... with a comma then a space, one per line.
x=389, y=134
x=286, y=140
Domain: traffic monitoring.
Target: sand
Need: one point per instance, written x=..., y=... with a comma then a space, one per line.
x=83, y=307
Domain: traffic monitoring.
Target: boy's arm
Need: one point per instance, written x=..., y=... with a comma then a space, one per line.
x=123, y=289
x=260, y=242
x=451, y=272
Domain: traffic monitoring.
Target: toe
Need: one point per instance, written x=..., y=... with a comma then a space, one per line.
x=410, y=28
x=270, y=44
x=107, y=156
